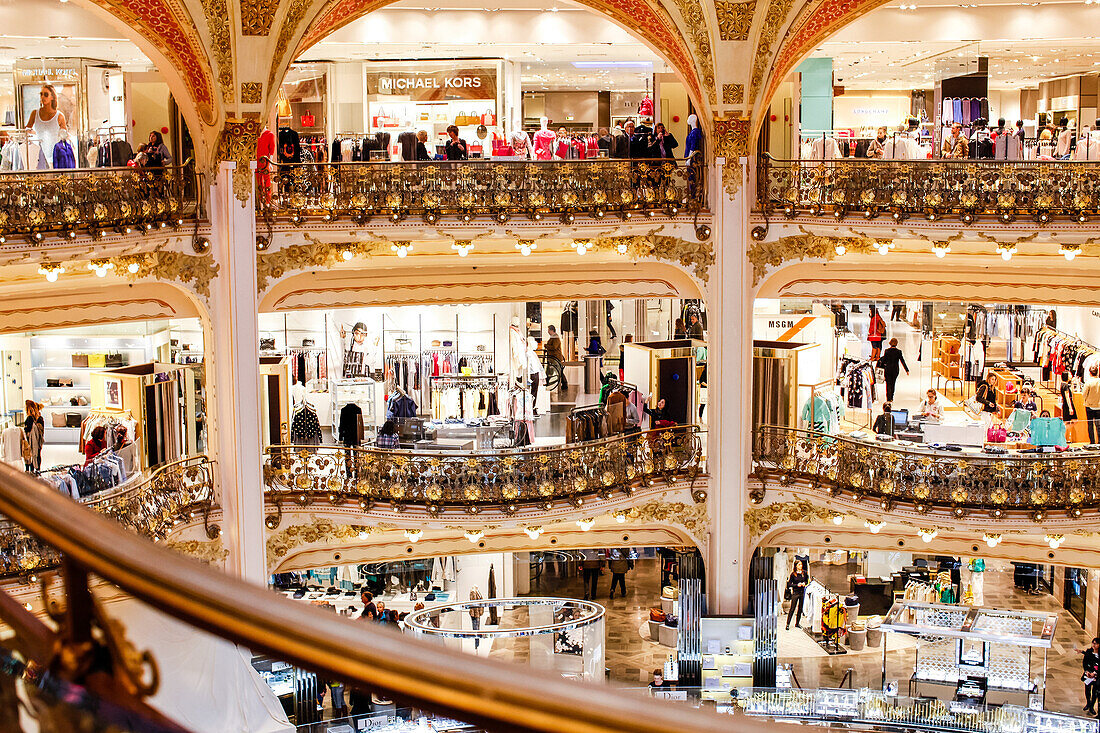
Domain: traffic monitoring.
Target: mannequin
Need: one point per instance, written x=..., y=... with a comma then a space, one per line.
x=694, y=142
x=475, y=613
x=517, y=352
x=544, y=141
x=976, y=566
x=521, y=143
x=535, y=372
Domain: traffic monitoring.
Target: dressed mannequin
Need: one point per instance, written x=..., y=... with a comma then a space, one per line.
x=521, y=143
x=265, y=161
x=694, y=142
x=544, y=141
x=535, y=372
x=976, y=566
x=47, y=122
x=476, y=613
x=517, y=352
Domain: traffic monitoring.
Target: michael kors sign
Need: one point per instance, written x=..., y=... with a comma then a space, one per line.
x=426, y=86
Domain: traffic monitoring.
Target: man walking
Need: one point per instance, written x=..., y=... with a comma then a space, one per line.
x=591, y=564
x=620, y=564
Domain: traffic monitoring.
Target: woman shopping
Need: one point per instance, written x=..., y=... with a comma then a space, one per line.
x=796, y=593
x=986, y=398
x=876, y=332
x=892, y=361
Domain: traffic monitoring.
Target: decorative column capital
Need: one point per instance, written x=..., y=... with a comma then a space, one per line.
x=731, y=141
x=237, y=143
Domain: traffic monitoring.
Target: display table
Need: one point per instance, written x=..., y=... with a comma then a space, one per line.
x=968, y=433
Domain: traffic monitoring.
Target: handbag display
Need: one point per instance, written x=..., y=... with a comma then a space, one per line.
x=57, y=419
x=73, y=419
x=80, y=360
x=488, y=118
x=116, y=360
x=656, y=614
x=97, y=361
x=65, y=382
x=52, y=382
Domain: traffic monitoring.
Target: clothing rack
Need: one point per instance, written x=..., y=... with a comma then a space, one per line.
x=826, y=385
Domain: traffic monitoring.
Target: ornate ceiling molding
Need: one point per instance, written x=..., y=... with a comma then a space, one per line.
x=257, y=16
x=271, y=266
x=734, y=19
x=760, y=520
x=774, y=253
x=197, y=271
x=221, y=44
x=699, y=31
x=211, y=553
x=773, y=22
x=169, y=28
x=319, y=530
x=295, y=13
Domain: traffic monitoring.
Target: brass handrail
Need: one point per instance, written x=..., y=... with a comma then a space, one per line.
x=93, y=200
x=470, y=188
x=1006, y=189
x=473, y=481
x=1032, y=484
x=172, y=492
x=498, y=695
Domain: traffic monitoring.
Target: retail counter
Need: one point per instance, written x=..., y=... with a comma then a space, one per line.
x=965, y=450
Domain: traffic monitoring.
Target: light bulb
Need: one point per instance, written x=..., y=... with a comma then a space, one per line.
x=1054, y=540
x=875, y=527
x=941, y=250
x=473, y=535
x=838, y=519
x=1007, y=251
x=1069, y=251
x=841, y=249
x=133, y=267
x=884, y=250
x=585, y=524
x=533, y=532
x=347, y=254
x=413, y=534
x=992, y=539
x=927, y=534
x=620, y=517
x=621, y=247
x=51, y=276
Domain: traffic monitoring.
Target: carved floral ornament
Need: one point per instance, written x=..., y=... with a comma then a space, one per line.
x=211, y=553
x=272, y=265
x=766, y=254
x=238, y=144
x=198, y=271
x=731, y=141
x=760, y=520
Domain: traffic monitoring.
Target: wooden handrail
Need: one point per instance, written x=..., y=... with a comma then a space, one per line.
x=493, y=694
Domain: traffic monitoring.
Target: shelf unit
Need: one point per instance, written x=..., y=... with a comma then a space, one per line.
x=947, y=360
x=728, y=650
x=51, y=358
x=1001, y=380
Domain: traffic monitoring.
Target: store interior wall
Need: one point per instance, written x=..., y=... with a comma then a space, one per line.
x=576, y=109
x=148, y=95
x=816, y=76
x=672, y=107
x=347, y=92
x=473, y=570
x=625, y=104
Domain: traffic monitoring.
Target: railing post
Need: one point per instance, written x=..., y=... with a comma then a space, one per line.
x=730, y=360
x=234, y=401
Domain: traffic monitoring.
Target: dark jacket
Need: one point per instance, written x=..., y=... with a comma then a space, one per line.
x=422, y=151
x=987, y=396
x=884, y=424
x=670, y=144
x=456, y=150
x=796, y=583
x=350, y=424
x=639, y=145
x=892, y=360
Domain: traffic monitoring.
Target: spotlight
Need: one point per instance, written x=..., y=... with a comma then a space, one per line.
x=838, y=519
x=347, y=254
x=51, y=272
x=875, y=527
x=462, y=246
x=840, y=250
x=401, y=248
x=1054, y=540
x=992, y=539
x=620, y=517
x=100, y=267
x=940, y=249
x=525, y=246
x=1044, y=217
x=927, y=534
x=133, y=267
x=1006, y=250
x=621, y=248
x=932, y=215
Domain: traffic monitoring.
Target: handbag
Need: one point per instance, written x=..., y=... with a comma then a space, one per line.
x=80, y=360
x=57, y=419
x=97, y=361
x=787, y=593
x=488, y=118
x=656, y=614
x=115, y=360
x=73, y=419
x=65, y=382
x=52, y=382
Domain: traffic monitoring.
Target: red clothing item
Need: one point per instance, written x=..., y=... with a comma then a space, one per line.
x=93, y=448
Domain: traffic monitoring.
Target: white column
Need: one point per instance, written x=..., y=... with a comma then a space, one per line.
x=233, y=401
x=729, y=372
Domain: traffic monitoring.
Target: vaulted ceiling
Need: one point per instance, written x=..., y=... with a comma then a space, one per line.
x=223, y=59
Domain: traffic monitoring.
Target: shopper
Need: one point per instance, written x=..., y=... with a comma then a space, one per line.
x=370, y=610
x=387, y=436
x=659, y=416
x=34, y=428
x=892, y=361
x=628, y=339
x=552, y=347
x=1092, y=403
x=619, y=563
x=1020, y=132
x=658, y=679
x=591, y=564
x=876, y=332
x=679, y=331
x=96, y=444
x=1069, y=409
x=695, y=329
x=476, y=612
x=1026, y=401
x=422, y=145
x=595, y=344
x=931, y=408
x=1051, y=319
x=456, y=147
x=796, y=593
x=1091, y=666
x=884, y=423
x=638, y=142
x=897, y=311
x=158, y=155
x=986, y=398
x=875, y=147
x=956, y=145
x=662, y=144
x=604, y=141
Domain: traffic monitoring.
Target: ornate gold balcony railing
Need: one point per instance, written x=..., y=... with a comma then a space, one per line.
x=1034, y=485
x=173, y=492
x=500, y=480
x=94, y=201
x=970, y=190
x=81, y=673
x=481, y=189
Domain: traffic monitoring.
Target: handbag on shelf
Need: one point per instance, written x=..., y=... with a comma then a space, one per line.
x=50, y=382
x=97, y=361
x=73, y=419
x=488, y=118
x=65, y=382
x=80, y=360
x=115, y=360
x=57, y=419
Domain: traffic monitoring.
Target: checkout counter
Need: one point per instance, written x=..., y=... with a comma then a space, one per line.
x=422, y=434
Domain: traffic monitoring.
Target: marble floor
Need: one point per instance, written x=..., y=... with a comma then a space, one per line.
x=1064, y=691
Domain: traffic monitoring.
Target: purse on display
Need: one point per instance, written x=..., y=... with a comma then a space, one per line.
x=488, y=118
x=50, y=382
x=308, y=119
x=57, y=419
x=80, y=360
x=656, y=614
x=65, y=382
x=97, y=361
x=115, y=360
x=267, y=344
x=72, y=419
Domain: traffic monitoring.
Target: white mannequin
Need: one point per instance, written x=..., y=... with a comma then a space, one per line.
x=693, y=121
x=544, y=141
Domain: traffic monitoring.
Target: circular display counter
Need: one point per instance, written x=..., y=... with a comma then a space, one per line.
x=560, y=634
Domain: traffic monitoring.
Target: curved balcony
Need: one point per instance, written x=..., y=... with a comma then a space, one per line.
x=174, y=491
x=463, y=191
x=507, y=481
x=1014, y=485
x=82, y=672
x=1043, y=191
x=94, y=201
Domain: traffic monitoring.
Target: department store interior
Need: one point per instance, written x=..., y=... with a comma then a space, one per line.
x=499, y=376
